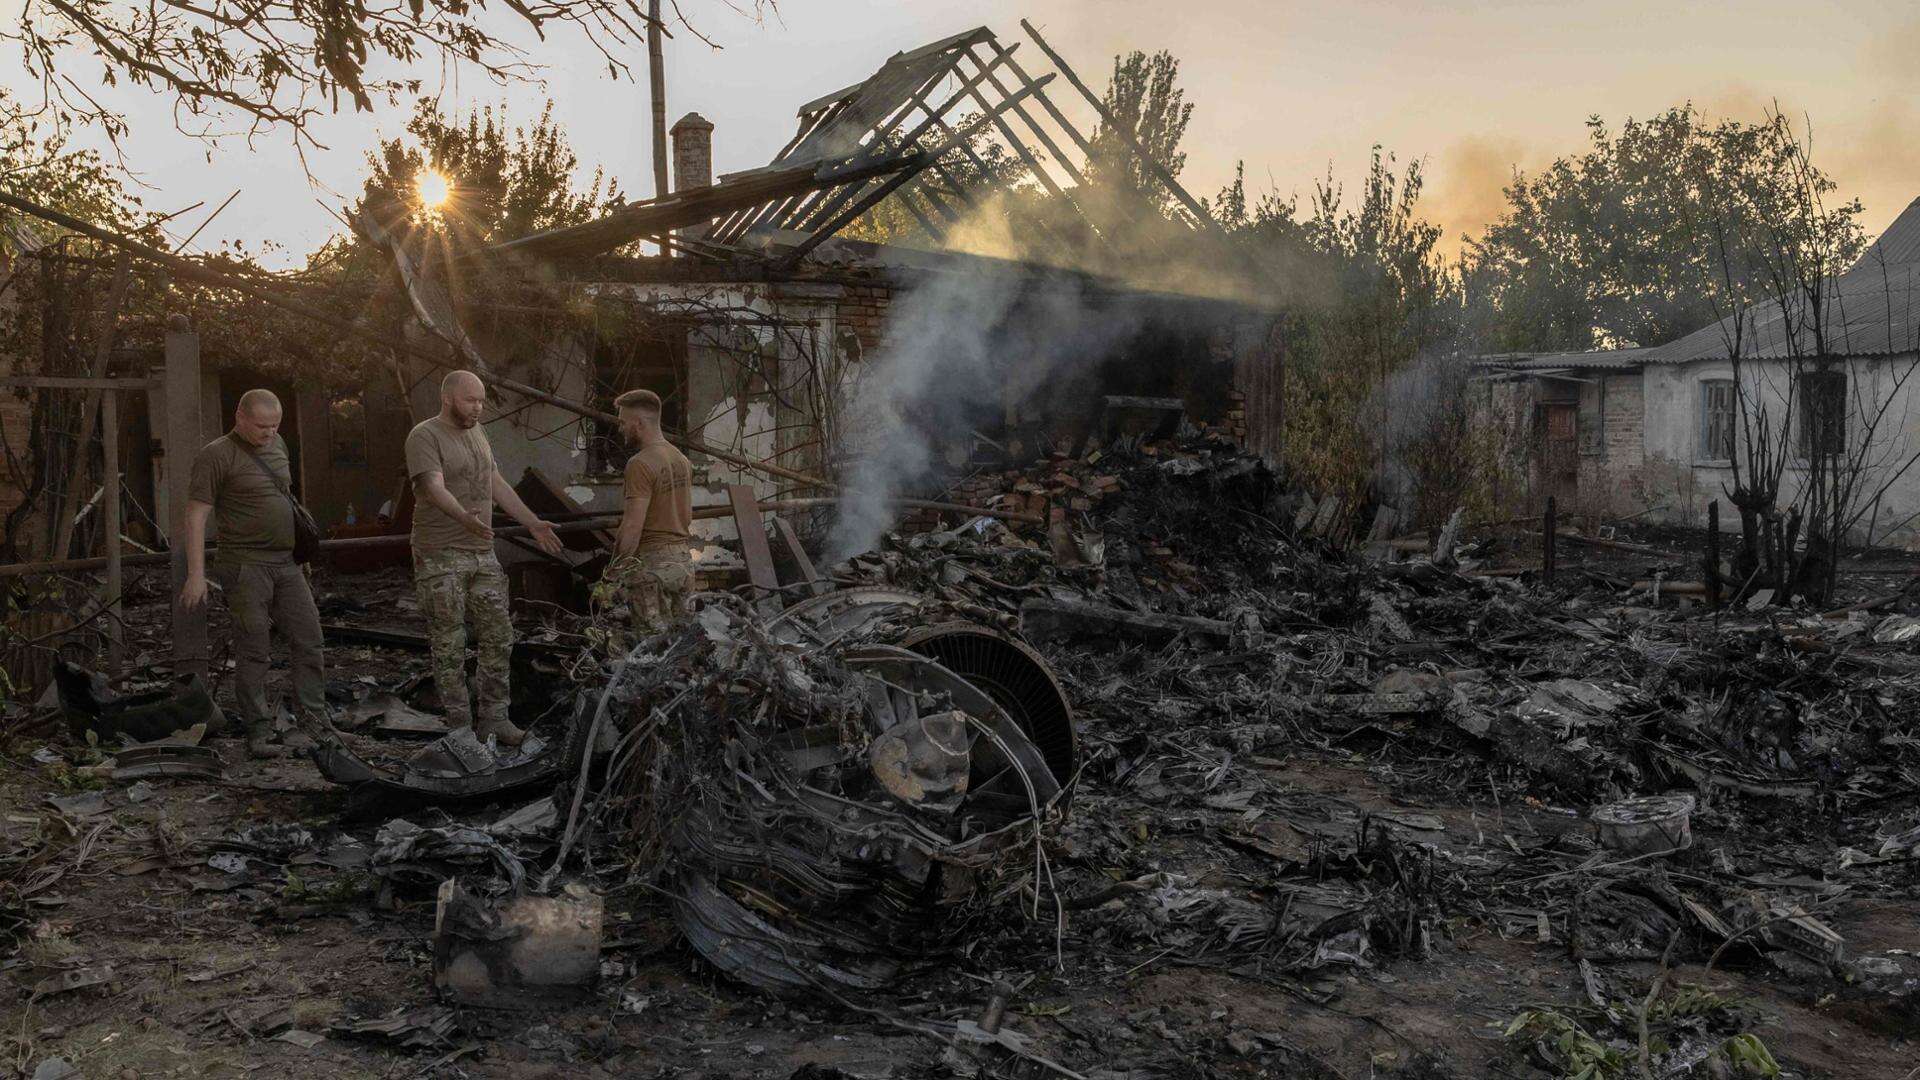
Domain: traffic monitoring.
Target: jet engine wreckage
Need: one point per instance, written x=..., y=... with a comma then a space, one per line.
x=827, y=795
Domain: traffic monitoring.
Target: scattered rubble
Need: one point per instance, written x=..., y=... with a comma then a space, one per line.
x=1018, y=790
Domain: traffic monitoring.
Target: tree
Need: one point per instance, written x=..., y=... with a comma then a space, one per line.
x=503, y=182
x=970, y=188
x=38, y=164
x=281, y=63
x=1784, y=278
x=1372, y=322
x=1606, y=250
x=1144, y=102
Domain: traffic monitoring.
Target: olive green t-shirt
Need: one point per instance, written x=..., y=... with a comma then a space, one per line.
x=662, y=475
x=464, y=460
x=251, y=518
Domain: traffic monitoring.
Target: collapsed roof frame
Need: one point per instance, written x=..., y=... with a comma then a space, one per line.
x=887, y=136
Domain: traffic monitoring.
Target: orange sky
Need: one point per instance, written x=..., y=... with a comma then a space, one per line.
x=1290, y=88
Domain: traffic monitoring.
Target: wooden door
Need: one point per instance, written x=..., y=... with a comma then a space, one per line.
x=1557, y=452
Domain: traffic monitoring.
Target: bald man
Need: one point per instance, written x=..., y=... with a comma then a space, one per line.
x=265, y=589
x=455, y=572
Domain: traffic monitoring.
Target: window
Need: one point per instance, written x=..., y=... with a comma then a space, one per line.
x=652, y=356
x=347, y=429
x=1823, y=414
x=1718, y=417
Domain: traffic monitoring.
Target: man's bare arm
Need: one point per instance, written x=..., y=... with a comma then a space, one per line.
x=516, y=508
x=431, y=487
x=193, y=592
x=633, y=522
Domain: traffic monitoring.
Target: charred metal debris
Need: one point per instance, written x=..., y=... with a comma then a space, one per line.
x=1175, y=728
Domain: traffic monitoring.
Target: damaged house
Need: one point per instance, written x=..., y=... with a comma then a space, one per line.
x=1657, y=432
x=764, y=333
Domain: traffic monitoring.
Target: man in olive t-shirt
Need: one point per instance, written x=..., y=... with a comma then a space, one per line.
x=264, y=587
x=653, y=563
x=455, y=572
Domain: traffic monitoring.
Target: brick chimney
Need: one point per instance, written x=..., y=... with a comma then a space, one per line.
x=692, y=152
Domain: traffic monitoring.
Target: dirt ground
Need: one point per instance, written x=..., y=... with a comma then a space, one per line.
x=199, y=971
x=206, y=976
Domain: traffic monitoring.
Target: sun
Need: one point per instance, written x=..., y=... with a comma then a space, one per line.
x=434, y=188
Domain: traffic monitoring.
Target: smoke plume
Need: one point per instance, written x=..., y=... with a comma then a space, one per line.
x=956, y=350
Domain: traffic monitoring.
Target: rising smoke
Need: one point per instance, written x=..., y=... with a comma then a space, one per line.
x=956, y=349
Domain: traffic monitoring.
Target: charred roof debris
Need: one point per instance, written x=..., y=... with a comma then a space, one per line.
x=1051, y=720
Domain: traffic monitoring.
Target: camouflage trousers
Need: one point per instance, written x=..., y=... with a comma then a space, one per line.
x=453, y=587
x=654, y=584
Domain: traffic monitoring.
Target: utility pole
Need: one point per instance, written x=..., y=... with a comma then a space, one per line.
x=657, y=79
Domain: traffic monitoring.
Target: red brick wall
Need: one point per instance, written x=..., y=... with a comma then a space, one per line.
x=863, y=309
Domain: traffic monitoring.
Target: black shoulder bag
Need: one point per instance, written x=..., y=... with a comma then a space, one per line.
x=306, y=531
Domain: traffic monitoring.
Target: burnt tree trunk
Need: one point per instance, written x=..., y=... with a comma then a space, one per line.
x=1710, y=569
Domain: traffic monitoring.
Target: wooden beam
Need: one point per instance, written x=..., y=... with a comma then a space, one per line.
x=1045, y=101
x=792, y=258
x=68, y=382
x=90, y=411
x=181, y=439
x=110, y=511
x=802, y=562
x=753, y=539
x=544, y=497
x=194, y=271
x=809, y=204
x=585, y=524
x=1159, y=171
x=934, y=231
x=934, y=116
x=1046, y=140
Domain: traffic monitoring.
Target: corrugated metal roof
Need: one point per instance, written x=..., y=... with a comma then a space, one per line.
x=1900, y=244
x=1873, y=310
x=1602, y=358
x=1870, y=312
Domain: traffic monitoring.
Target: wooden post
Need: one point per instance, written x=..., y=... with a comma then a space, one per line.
x=181, y=439
x=754, y=549
x=1548, y=534
x=1712, y=567
x=657, y=83
x=90, y=408
x=110, y=522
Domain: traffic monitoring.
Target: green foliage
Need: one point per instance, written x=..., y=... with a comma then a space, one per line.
x=283, y=62
x=340, y=889
x=980, y=172
x=1578, y=1055
x=36, y=163
x=1367, y=295
x=507, y=182
x=1146, y=103
x=1624, y=244
x=1748, y=1056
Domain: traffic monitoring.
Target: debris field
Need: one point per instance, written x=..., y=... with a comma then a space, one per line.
x=1174, y=787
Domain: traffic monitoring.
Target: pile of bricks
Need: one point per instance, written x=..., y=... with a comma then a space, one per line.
x=1062, y=484
x=1235, y=422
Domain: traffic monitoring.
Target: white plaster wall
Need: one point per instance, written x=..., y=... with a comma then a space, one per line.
x=728, y=409
x=1889, y=386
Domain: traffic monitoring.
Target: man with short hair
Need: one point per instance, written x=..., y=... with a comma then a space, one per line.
x=243, y=480
x=456, y=573
x=653, y=559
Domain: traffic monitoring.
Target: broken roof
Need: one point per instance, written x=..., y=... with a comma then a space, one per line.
x=869, y=142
